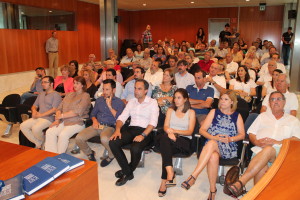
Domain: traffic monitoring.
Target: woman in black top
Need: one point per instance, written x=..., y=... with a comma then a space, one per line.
x=89, y=77
x=200, y=35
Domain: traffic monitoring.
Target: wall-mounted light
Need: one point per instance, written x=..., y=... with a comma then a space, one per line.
x=192, y=2
x=50, y=11
x=144, y=4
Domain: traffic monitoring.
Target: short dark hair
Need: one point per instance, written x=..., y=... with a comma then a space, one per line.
x=290, y=28
x=113, y=72
x=278, y=70
x=185, y=95
x=50, y=79
x=40, y=68
x=75, y=63
x=111, y=82
x=142, y=69
x=81, y=80
x=184, y=62
x=227, y=25
x=202, y=71
x=174, y=58
x=146, y=84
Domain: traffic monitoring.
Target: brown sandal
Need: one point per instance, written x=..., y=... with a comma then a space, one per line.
x=236, y=192
x=211, y=193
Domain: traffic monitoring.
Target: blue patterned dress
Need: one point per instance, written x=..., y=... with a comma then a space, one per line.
x=223, y=124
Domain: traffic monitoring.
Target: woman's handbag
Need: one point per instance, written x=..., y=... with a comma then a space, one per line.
x=231, y=177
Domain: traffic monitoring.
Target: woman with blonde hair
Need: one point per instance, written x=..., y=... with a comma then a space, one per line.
x=89, y=77
x=222, y=128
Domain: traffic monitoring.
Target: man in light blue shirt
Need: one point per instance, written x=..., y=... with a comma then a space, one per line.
x=128, y=92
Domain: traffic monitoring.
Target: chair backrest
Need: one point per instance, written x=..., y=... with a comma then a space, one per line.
x=11, y=100
x=30, y=101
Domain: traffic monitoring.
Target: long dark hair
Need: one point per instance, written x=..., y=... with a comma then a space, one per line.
x=198, y=32
x=185, y=95
x=247, y=76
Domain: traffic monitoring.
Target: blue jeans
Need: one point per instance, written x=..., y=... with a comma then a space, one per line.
x=286, y=53
x=26, y=95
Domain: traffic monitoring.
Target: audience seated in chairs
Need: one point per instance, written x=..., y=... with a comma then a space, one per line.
x=144, y=114
x=36, y=86
x=146, y=61
x=104, y=114
x=154, y=75
x=69, y=117
x=223, y=127
x=267, y=133
x=201, y=96
x=183, y=78
x=109, y=64
x=42, y=113
x=164, y=93
x=64, y=84
x=179, y=126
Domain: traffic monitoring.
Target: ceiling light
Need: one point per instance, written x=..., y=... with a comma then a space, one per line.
x=247, y=0
x=50, y=11
x=192, y=2
x=144, y=4
x=22, y=13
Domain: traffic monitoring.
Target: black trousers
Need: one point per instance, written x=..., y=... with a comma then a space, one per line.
x=136, y=149
x=168, y=148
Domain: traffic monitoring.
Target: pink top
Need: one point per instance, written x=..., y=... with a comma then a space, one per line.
x=68, y=84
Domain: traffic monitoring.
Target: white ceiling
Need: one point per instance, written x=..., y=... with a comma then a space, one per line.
x=172, y=4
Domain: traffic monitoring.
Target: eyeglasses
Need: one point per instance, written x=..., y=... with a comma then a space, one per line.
x=277, y=99
x=45, y=82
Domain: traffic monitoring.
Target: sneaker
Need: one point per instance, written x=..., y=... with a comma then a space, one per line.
x=91, y=157
x=106, y=162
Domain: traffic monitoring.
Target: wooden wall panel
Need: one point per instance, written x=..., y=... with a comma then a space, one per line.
x=23, y=50
x=266, y=25
x=180, y=24
x=123, y=26
x=88, y=24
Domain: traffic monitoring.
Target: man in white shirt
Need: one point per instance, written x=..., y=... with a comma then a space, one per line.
x=291, y=103
x=231, y=67
x=154, y=74
x=110, y=74
x=275, y=57
x=128, y=60
x=267, y=133
x=266, y=77
x=221, y=52
x=218, y=83
x=144, y=112
x=146, y=62
x=182, y=77
x=266, y=56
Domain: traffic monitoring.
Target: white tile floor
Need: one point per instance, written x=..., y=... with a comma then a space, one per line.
x=146, y=182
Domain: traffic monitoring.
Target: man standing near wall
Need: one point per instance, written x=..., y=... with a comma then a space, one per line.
x=286, y=46
x=147, y=36
x=52, y=51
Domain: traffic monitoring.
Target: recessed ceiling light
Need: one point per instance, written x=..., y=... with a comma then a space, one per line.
x=50, y=11
x=192, y=2
x=247, y=0
x=144, y=4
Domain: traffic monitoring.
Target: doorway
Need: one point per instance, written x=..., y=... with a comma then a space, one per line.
x=215, y=26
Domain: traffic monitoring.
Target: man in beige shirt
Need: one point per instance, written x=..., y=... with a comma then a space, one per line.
x=52, y=51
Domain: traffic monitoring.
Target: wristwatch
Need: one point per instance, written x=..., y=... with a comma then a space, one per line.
x=144, y=135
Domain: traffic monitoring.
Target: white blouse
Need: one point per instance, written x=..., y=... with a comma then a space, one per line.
x=246, y=87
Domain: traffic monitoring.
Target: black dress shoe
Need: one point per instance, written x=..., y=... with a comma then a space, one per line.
x=119, y=174
x=91, y=157
x=121, y=181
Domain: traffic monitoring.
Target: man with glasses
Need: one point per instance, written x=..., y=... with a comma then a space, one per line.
x=42, y=113
x=267, y=133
